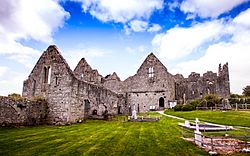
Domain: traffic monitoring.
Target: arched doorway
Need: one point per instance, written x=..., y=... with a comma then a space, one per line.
x=94, y=112
x=161, y=102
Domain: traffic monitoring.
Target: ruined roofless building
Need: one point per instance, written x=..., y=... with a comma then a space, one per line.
x=74, y=95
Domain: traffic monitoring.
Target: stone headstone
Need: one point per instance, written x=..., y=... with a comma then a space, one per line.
x=134, y=114
x=187, y=123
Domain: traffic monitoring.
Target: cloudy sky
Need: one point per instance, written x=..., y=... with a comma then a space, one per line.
x=117, y=35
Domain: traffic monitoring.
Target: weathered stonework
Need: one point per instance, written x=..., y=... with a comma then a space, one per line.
x=84, y=72
x=22, y=112
x=196, y=86
x=75, y=95
x=69, y=98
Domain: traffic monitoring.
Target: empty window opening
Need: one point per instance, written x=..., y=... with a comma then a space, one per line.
x=45, y=75
x=34, y=87
x=150, y=72
x=86, y=104
x=49, y=75
x=57, y=82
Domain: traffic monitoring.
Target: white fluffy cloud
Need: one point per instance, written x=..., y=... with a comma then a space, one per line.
x=220, y=42
x=28, y=19
x=138, y=26
x=179, y=42
x=120, y=10
x=134, y=14
x=209, y=8
x=141, y=26
x=154, y=28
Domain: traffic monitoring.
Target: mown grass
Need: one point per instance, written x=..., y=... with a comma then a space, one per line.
x=98, y=138
x=234, y=118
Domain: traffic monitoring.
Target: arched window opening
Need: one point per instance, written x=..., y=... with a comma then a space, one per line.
x=94, y=112
x=161, y=102
x=49, y=75
x=86, y=104
x=45, y=72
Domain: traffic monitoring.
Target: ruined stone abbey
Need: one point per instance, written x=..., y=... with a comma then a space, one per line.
x=75, y=95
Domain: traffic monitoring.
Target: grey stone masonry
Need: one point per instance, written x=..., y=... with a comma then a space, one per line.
x=17, y=112
x=69, y=98
x=75, y=95
x=84, y=72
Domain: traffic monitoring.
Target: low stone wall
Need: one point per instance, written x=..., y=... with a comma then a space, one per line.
x=22, y=111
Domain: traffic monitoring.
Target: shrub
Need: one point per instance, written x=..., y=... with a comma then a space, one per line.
x=38, y=99
x=178, y=108
x=15, y=96
x=187, y=107
x=212, y=99
x=196, y=103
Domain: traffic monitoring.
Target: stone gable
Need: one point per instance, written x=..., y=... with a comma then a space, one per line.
x=84, y=72
x=73, y=96
x=66, y=95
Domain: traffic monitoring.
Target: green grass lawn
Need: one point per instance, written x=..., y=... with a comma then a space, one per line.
x=234, y=118
x=98, y=138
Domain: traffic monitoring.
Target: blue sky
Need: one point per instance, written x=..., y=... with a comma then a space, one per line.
x=186, y=35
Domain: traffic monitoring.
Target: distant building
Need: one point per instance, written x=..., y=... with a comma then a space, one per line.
x=73, y=95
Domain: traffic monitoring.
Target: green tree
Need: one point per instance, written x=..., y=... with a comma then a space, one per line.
x=212, y=99
x=234, y=96
x=246, y=91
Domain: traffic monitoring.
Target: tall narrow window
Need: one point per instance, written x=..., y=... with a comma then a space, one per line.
x=34, y=87
x=57, y=83
x=86, y=104
x=45, y=75
x=150, y=72
x=49, y=75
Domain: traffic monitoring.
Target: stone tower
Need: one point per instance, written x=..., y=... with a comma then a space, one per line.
x=223, y=81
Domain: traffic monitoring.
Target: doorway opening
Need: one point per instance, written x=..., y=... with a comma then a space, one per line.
x=161, y=102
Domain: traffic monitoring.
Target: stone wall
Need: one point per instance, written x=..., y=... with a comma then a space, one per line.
x=99, y=99
x=51, y=79
x=84, y=72
x=144, y=101
x=113, y=82
x=151, y=83
x=73, y=96
x=16, y=112
x=65, y=93
x=196, y=86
